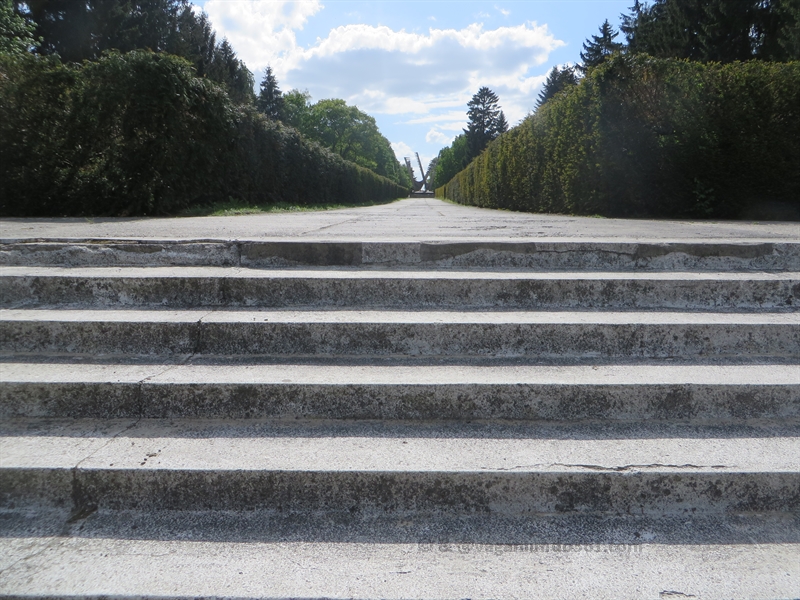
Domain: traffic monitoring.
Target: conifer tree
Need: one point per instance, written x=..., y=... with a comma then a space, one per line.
x=270, y=98
x=599, y=47
x=557, y=81
x=484, y=121
x=714, y=30
x=502, y=124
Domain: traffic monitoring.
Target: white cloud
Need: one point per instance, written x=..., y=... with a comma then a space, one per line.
x=260, y=32
x=502, y=11
x=425, y=78
x=399, y=72
x=402, y=150
x=434, y=136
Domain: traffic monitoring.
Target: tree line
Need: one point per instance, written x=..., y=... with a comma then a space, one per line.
x=114, y=107
x=486, y=121
x=348, y=131
x=694, y=112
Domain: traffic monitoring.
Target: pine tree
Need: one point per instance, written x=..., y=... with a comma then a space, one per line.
x=227, y=69
x=502, y=125
x=597, y=49
x=270, y=98
x=557, y=81
x=712, y=30
x=484, y=118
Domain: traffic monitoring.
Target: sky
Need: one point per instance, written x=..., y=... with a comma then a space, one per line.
x=413, y=64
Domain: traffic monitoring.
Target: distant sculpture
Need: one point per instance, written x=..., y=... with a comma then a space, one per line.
x=418, y=185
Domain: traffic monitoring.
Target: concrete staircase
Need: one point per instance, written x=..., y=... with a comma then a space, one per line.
x=402, y=420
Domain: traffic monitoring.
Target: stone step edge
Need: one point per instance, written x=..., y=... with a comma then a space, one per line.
x=449, y=468
x=509, y=334
x=209, y=287
x=626, y=560
x=575, y=393
x=757, y=255
x=676, y=491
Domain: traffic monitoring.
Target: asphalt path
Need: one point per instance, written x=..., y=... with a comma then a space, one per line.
x=417, y=219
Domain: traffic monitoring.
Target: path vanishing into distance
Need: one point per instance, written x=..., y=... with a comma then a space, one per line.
x=409, y=219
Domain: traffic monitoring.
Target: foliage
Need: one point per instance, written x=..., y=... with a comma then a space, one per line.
x=789, y=39
x=227, y=69
x=714, y=30
x=557, y=81
x=486, y=121
x=139, y=133
x=295, y=108
x=640, y=136
x=16, y=34
x=450, y=161
x=270, y=98
x=600, y=47
x=78, y=31
x=346, y=130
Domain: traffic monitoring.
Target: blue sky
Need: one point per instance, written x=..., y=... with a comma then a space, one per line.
x=413, y=65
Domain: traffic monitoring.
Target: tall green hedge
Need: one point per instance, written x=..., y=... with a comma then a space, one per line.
x=649, y=137
x=139, y=133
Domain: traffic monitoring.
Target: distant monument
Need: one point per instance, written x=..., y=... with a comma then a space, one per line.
x=419, y=185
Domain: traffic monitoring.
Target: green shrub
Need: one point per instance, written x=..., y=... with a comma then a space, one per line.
x=139, y=133
x=645, y=137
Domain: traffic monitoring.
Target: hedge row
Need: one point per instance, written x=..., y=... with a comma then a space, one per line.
x=139, y=133
x=645, y=137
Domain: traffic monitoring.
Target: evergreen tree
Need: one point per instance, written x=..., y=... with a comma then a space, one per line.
x=227, y=69
x=502, y=124
x=270, y=98
x=599, y=47
x=83, y=30
x=557, y=81
x=484, y=120
x=713, y=30
x=789, y=37
x=194, y=39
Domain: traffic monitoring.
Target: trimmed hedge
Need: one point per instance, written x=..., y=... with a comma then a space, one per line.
x=650, y=137
x=139, y=133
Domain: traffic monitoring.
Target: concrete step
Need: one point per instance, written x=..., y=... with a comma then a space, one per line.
x=692, y=255
x=647, y=391
x=172, y=554
x=401, y=333
x=190, y=287
x=369, y=467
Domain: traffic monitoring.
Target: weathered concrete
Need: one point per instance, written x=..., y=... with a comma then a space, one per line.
x=195, y=287
x=584, y=255
x=547, y=407
x=642, y=392
x=406, y=220
x=401, y=333
x=134, y=567
x=367, y=467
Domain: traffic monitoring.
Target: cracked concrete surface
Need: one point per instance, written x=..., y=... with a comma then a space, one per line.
x=513, y=406
x=404, y=220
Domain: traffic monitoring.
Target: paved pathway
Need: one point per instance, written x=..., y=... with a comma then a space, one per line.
x=404, y=220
